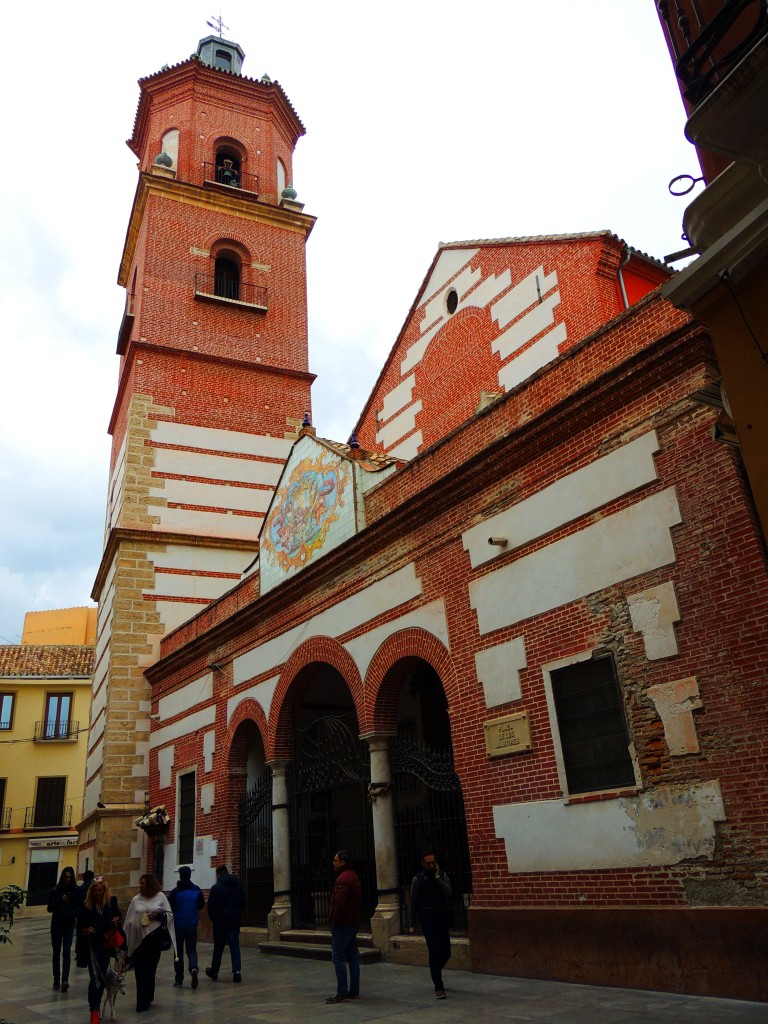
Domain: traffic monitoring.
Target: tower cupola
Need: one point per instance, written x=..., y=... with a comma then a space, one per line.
x=221, y=53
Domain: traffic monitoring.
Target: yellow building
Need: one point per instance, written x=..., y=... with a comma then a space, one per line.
x=45, y=695
x=63, y=626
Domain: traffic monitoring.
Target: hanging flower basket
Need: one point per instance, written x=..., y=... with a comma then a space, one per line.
x=154, y=822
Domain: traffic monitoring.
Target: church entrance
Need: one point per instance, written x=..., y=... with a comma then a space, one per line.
x=329, y=807
x=255, y=821
x=253, y=778
x=427, y=796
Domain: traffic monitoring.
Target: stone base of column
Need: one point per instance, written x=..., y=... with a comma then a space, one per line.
x=279, y=919
x=384, y=924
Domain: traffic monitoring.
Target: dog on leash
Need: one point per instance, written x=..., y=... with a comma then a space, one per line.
x=114, y=983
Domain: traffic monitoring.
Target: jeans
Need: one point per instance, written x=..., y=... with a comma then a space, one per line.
x=343, y=952
x=61, y=941
x=222, y=939
x=439, y=947
x=186, y=938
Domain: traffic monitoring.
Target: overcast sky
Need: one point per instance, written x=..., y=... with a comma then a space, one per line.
x=426, y=121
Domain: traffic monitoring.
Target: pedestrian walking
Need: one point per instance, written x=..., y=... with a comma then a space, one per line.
x=346, y=898
x=186, y=902
x=430, y=893
x=81, y=942
x=62, y=906
x=149, y=930
x=225, y=907
x=98, y=916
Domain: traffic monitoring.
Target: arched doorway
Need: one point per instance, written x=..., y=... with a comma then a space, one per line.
x=427, y=796
x=255, y=825
x=328, y=792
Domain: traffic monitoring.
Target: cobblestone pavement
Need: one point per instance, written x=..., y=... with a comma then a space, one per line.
x=277, y=990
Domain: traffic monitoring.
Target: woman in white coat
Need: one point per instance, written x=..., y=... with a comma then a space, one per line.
x=148, y=912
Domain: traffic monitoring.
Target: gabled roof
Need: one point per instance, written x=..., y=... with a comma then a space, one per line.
x=46, y=661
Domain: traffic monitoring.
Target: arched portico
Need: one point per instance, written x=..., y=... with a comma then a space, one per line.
x=250, y=797
x=409, y=688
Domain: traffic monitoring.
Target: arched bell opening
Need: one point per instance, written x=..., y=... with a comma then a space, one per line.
x=254, y=817
x=427, y=796
x=328, y=793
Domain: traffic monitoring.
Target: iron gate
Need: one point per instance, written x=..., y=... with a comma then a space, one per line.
x=429, y=817
x=255, y=820
x=330, y=811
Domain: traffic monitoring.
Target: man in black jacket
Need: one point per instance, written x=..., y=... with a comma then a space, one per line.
x=430, y=892
x=225, y=906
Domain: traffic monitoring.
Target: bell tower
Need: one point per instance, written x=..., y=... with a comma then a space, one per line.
x=213, y=385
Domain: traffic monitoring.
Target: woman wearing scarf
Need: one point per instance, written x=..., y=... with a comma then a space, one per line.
x=148, y=912
x=62, y=906
x=97, y=914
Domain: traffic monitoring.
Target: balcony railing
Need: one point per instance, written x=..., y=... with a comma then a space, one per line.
x=5, y=818
x=56, y=730
x=46, y=816
x=220, y=175
x=223, y=288
x=706, y=52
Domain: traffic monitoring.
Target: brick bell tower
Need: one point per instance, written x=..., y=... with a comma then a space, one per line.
x=213, y=386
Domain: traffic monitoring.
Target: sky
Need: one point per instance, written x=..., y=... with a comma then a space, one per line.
x=426, y=121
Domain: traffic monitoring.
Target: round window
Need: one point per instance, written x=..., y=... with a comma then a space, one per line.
x=452, y=301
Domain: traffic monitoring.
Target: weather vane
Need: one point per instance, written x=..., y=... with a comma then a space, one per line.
x=218, y=24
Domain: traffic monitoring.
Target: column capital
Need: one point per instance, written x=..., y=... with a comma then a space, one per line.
x=378, y=740
x=279, y=766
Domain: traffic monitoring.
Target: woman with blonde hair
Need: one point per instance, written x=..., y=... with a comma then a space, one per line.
x=146, y=919
x=97, y=915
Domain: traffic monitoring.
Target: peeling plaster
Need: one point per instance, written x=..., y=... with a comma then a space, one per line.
x=654, y=613
x=663, y=826
x=675, y=703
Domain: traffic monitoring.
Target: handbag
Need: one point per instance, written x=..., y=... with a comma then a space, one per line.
x=165, y=937
x=113, y=938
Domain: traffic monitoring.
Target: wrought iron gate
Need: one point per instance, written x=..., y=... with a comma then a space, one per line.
x=255, y=820
x=330, y=811
x=429, y=817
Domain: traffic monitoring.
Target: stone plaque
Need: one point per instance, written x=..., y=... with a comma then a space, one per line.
x=508, y=735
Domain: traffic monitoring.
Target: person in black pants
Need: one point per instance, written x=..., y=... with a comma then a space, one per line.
x=62, y=906
x=148, y=914
x=430, y=893
x=98, y=913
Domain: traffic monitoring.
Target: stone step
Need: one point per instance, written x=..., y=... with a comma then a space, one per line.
x=314, y=948
x=320, y=937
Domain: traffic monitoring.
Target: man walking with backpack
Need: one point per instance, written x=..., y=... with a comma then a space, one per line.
x=186, y=901
x=226, y=901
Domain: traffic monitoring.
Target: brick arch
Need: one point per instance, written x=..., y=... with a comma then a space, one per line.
x=382, y=684
x=232, y=787
x=296, y=677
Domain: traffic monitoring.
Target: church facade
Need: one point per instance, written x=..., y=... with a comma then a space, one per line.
x=517, y=619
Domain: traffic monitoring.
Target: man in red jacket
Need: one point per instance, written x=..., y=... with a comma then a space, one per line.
x=346, y=897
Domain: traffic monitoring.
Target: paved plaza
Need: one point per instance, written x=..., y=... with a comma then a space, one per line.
x=277, y=990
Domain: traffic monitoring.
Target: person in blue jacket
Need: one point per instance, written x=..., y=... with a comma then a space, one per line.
x=186, y=901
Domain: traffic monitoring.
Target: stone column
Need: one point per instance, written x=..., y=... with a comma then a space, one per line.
x=279, y=919
x=386, y=920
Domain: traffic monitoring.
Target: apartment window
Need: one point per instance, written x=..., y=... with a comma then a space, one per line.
x=4, y=815
x=57, y=711
x=593, y=731
x=6, y=710
x=49, y=802
x=186, y=819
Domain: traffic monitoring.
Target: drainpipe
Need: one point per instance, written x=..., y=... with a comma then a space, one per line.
x=624, y=262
